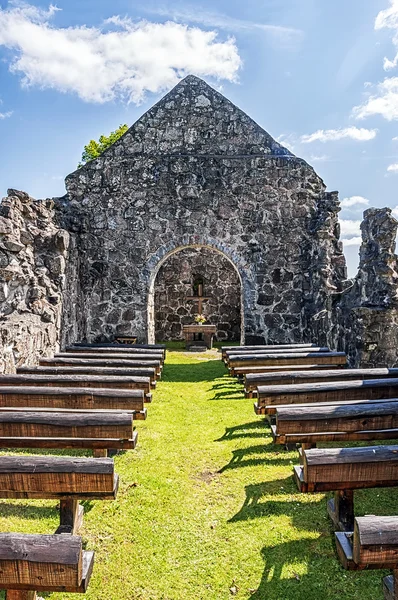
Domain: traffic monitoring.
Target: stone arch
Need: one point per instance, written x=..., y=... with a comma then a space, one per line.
x=241, y=267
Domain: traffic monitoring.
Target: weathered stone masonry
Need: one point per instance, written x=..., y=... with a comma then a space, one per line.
x=193, y=174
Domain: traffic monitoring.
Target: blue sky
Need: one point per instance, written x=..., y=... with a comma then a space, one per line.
x=320, y=76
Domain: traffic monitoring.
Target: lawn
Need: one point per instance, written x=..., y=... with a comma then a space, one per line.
x=207, y=508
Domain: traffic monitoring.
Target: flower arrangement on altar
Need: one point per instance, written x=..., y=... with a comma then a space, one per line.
x=200, y=319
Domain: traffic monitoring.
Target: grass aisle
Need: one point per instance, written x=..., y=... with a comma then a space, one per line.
x=207, y=508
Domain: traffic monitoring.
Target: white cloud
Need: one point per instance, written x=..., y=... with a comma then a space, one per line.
x=355, y=241
x=6, y=115
x=124, y=59
x=384, y=101
x=221, y=21
x=332, y=135
x=395, y=211
x=287, y=140
x=393, y=168
x=349, y=227
x=388, y=18
x=354, y=201
x=395, y=139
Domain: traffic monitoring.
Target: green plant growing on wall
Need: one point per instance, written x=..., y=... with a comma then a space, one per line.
x=94, y=149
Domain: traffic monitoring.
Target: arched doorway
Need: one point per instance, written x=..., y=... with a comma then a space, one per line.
x=187, y=272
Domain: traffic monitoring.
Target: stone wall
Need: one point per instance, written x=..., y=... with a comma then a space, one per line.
x=174, y=282
x=33, y=252
x=197, y=171
x=365, y=317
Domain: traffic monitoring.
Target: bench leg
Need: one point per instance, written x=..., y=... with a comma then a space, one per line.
x=390, y=586
x=341, y=510
x=70, y=516
x=20, y=595
x=100, y=453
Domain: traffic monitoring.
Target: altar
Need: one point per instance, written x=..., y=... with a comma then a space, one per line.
x=199, y=335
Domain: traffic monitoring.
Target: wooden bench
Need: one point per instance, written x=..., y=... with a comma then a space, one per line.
x=336, y=391
x=43, y=563
x=73, y=381
x=261, y=351
x=110, y=356
x=343, y=470
x=241, y=349
x=67, y=479
x=90, y=370
x=289, y=377
x=354, y=421
x=269, y=360
x=96, y=430
x=372, y=545
x=115, y=345
x=286, y=358
x=117, y=350
x=101, y=362
x=74, y=398
x=243, y=372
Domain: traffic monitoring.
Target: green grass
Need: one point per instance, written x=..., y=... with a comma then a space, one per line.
x=207, y=508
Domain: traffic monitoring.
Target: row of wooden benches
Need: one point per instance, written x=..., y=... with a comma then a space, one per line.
x=63, y=404
x=314, y=405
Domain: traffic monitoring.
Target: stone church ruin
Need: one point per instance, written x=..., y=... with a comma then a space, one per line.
x=195, y=188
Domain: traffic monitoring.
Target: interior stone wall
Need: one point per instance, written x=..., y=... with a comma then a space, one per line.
x=174, y=282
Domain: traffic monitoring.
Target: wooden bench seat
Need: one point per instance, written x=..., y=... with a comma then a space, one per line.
x=95, y=430
x=355, y=421
x=73, y=381
x=45, y=563
x=270, y=396
x=289, y=377
x=373, y=544
x=67, y=479
x=241, y=349
x=115, y=345
x=110, y=356
x=269, y=360
x=344, y=470
x=91, y=370
x=97, y=362
x=261, y=351
x=73, y=398
x=117, y=351
x=242, y=372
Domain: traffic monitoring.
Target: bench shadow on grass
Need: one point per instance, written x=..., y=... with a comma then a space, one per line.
x=279, y=580
x=255, y=429
x=249, y=457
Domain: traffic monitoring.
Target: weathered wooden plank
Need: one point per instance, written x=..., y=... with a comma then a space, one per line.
x=118, y=345
x=389, y=587
x=76, y=380
x=240, y=349
x=253, y=370
x=77, y=398
x=90, y=370
x=56, y=477
x=62, y=424
x=70, y=443
x=287, y=359
x=333, y=436
x=40, y=562
x=351, y=465
x=260, y=352
x=271, y=409
x=115, y=349
x=375, y=542
x=110, y=356
x=335, y=391
x=293, y=377
x=337, y=418
x=80, y=362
